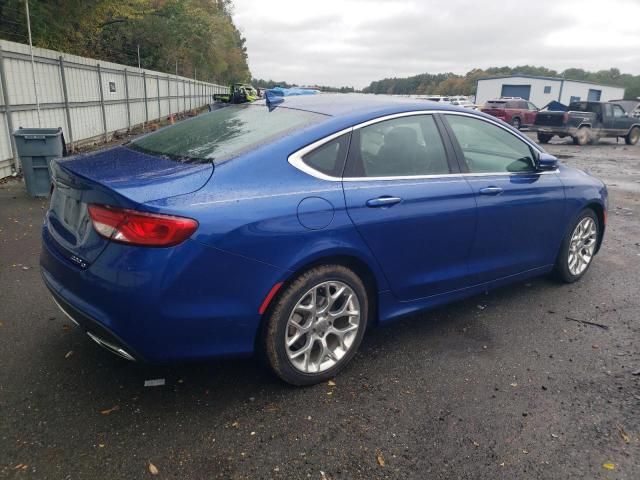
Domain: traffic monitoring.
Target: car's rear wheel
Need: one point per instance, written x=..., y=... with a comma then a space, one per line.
x=516, y=123
x=578, y=248
x=316, y=325
x=582, y=137
x=633, y=136
x=544, y=137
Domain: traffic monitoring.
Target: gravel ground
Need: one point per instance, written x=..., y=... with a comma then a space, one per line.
x=498, y=386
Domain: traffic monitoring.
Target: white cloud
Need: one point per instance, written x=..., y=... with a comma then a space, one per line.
x=352, y=42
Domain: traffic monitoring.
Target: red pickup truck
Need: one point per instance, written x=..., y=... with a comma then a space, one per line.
x=515, y=111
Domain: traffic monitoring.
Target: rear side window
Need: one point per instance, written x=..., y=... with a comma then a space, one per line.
x=330, y=157
x=225, y=133
x=488, y=148
x=400, y=147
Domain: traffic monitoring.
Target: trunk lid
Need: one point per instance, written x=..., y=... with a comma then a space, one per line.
x=119, y=177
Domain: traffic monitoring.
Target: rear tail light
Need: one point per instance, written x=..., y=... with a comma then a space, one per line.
x=140, y=228
x=565, y=117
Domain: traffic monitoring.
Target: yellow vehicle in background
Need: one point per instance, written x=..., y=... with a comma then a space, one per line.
x=238, y=93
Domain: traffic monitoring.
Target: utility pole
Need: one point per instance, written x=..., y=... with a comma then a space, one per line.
x=33, y=69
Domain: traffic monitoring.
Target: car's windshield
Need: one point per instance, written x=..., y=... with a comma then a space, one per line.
x=225, y=133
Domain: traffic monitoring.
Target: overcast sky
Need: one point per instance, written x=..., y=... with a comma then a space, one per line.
x=352, y=42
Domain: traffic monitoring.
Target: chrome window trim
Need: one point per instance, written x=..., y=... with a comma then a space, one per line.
x=296, y=158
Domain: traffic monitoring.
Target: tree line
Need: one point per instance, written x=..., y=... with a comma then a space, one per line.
x=260, y=83
x=453, y=84
x=195, y=37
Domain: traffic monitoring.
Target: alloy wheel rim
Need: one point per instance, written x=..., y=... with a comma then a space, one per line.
x=322, y=327
x=582, y=246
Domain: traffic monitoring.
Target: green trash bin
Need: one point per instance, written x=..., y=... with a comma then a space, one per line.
x=36, y=148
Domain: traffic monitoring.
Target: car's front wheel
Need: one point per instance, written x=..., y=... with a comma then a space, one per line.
x=316, y=325
x=633, y=136
x=578, y=248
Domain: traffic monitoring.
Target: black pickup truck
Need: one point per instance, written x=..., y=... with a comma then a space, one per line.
x=587, y=122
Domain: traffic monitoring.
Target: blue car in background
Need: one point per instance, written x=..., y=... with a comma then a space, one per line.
x=287, y=229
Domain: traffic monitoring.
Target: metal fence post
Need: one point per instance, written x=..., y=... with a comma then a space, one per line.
x=169, y=93
x=146, y=102
x=104, y=113
x=65, y=95
x=126, y=93
x=7, y=109
x=159, y=108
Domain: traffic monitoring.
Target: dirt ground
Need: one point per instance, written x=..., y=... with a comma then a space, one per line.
x=498, y=386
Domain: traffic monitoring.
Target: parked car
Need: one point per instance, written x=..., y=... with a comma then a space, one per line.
x=587, y=122
x=515, y=111
x=464, y=103
x=438, y=98
x=288, y=229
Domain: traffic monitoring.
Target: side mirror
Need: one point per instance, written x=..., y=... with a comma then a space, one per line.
x=547, y=162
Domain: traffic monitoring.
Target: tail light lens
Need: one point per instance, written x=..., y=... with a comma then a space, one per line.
x=140, y=228
x=565, y=117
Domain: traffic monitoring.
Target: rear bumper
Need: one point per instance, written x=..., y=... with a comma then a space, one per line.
x=560, y=131
x=94, y=329
x=160, y=305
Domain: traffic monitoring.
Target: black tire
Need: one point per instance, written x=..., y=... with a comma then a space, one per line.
x=633, y=136
x=544, y=137
x=516, y=123
x=582, y=137
x=278, y=315
x=561, y=268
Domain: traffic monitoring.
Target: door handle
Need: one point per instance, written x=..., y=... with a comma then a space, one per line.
x=491, y=191
x=383, y=202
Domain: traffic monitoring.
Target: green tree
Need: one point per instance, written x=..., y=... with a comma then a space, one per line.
x=197, y=34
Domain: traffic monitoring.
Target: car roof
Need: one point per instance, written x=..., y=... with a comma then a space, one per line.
x=342, y=104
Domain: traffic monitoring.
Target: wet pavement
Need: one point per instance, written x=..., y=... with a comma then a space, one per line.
x=498, y=386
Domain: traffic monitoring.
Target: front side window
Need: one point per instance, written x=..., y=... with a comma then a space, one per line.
x=531, y=106
x=618, y=111
x=401, y=147
x=488, y=148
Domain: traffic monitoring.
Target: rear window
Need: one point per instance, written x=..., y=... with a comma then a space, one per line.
x=223, y=134
x=584, y=107
x=495, y=104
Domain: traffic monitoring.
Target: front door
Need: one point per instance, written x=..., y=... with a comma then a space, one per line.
x=414, y=211
x=520, y=210
x=621, y=122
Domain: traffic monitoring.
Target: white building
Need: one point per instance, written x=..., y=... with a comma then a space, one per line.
x=542, y=90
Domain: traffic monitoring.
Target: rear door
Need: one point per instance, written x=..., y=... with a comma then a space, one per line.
x=520, y=210
x=414, y=210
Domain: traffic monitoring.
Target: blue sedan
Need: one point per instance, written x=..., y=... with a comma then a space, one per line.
x=288, y=229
